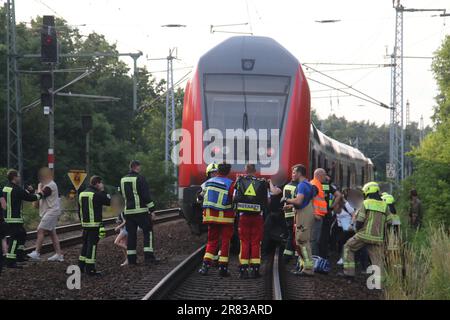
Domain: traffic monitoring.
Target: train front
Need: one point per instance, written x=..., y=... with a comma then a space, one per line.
x=248, y=102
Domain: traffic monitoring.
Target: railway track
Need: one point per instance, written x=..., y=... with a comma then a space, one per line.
x=161, y=216
x=183, y=282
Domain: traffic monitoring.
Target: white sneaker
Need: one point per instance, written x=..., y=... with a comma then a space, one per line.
x=34, y=256
x=340, y=262
x=56, y=257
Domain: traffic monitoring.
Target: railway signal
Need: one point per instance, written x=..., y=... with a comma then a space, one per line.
x=49, y=42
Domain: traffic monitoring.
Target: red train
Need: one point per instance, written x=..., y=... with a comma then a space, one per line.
x=255, y=89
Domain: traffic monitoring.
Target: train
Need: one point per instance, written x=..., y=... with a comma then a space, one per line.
x=253, y=83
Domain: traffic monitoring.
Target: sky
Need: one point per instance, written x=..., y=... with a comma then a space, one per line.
x=364, y=35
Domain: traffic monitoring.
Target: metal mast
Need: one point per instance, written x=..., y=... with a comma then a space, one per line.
x=170, y=112
x=396, y=142
x=13, y=114
x=396, y=134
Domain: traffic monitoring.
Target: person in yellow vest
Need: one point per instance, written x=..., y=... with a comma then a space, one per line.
x=320, y=208
x=218, y=214
x=289, y=192
x=370, y=223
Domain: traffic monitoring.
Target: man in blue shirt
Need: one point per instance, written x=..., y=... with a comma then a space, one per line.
x=304, y=219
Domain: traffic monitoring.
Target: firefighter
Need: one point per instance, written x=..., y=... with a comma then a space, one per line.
x=3, y=228
x=320, y=208
x=334, y=201
x=139, y=208
x=289, y=192
x=13, y=196
x=91, y=202
x=218, y=214
x=393, y=229
x=369, y=224
x=251, y=199
x=304, y=220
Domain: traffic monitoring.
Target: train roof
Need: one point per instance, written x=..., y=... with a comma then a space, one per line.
x=332, y=145
x=270, y=58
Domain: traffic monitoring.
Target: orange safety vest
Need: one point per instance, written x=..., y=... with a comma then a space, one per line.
x=319, y=203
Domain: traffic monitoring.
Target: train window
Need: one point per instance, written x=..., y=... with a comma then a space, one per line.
x=325, y=164
x=245, y=101
x=363, y=178
x=341, y=175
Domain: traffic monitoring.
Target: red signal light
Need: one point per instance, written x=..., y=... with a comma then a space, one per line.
x=48, y=39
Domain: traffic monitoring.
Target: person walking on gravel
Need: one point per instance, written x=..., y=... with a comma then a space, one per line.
x=49, y=211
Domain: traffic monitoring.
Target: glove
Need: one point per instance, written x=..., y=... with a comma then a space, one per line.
x=101, y=232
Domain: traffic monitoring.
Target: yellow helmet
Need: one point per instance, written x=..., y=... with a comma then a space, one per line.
x=371, y=187
x=388, y=198
x=212, y=167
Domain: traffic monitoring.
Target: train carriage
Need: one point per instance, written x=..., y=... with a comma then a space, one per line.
x=252, y=85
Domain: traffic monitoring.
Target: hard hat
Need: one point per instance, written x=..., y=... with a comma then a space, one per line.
x=388, y=198
x=371, y=187
x=212, y=167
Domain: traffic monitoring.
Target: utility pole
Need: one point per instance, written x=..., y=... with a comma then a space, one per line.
x=170, y=111
x=13, y=113
x=422, y=129
x=408, y=119
x=396, y=132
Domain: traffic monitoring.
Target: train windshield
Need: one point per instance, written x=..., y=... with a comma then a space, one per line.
x=237, y=101
x=245, y=101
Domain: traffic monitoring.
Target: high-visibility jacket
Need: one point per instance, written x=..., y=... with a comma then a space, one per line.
x=289, y=193
x=373, y=215
x=251, y=194
x=319, y=203
x=217, y=205
x=14, y=195
x=91, y=202
x=135, y=191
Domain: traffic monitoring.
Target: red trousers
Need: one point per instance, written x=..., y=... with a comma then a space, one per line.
x=215, y=232
x=251, y=228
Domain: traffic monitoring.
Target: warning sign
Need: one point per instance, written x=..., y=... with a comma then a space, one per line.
x=250, y=191
x=77, y=177
x=390, y=170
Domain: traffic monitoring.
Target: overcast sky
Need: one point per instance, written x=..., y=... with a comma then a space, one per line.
x=364, y=35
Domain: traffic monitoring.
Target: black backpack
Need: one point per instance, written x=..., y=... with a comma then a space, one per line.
x=251, y=194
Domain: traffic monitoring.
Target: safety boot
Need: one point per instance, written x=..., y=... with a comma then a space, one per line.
x=243, y=272
x=13, y=265
x=223, y=271
x=82, y=266
x=204, y=269
x=22, y=257
x=149, y=258
x=254, y=272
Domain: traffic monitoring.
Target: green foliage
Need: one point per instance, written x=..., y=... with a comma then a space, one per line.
x=431, y=177
x=118, y=133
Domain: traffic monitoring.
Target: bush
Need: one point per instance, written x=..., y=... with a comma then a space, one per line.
x=425, y=267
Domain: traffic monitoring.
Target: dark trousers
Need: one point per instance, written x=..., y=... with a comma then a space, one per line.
x=133, y=221
x=88, y=256
x=16, y=242
x=324, y=240
x=289, y=250
x=3, y=233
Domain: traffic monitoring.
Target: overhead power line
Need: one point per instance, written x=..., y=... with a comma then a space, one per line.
x=350, y=87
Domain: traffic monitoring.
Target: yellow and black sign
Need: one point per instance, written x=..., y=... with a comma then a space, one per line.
x=77, y=177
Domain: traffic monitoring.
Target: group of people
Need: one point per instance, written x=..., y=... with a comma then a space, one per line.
x=46, y=198
x=317, y=218
x=135, y=208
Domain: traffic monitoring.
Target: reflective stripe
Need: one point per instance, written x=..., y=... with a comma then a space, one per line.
x=150, y=205
x=208, y=256
x=255, y=261
x=375, y=205
x=306, y=259
x=131, y=252
x=223, y=259
x=150, y=246
x=287, y=252
x=11, y=254
x=81, y=258
x=225, y=217
x=148, y=249
x=289, y=214
x=8, y=191
x=137, y=203
x=90, y=197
